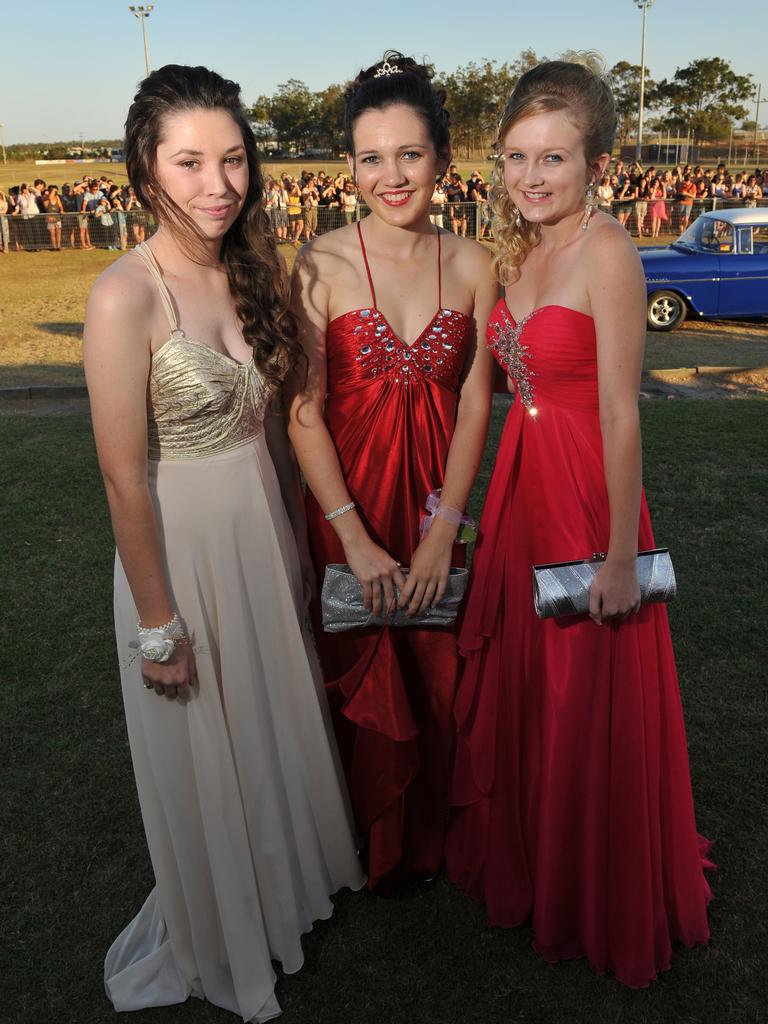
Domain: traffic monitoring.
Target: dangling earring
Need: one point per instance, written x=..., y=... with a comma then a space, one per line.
x=590, y=206
x=518, y=220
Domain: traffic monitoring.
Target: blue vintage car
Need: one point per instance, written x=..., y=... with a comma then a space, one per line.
x=718, y=267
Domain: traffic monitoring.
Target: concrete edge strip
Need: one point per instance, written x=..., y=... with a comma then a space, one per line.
x=59, y=391
x=44, y=391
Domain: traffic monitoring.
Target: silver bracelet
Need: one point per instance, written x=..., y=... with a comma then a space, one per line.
x=341, y=511
x=157, y=643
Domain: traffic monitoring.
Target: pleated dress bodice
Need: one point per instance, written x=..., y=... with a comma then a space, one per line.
x=199, y=401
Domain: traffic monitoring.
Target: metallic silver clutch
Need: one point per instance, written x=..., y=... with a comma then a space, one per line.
x=562, y=588
x=342, y=603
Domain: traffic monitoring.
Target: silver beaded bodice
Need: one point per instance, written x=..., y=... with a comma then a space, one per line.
x=362, y=346
x=507, y=345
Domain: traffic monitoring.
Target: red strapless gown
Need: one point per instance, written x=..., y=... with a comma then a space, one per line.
x=572, y=789
x=391, y=410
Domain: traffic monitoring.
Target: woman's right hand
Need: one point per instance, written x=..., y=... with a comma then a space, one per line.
x=376, y=570
x=173, y=678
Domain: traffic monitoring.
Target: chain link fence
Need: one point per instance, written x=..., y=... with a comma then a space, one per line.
x=122, y=229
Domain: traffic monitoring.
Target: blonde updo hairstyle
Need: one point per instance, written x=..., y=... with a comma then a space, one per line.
x=577, y=86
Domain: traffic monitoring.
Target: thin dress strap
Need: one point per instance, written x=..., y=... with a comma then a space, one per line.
x=367, y=268
x=370, y=279
x=165, y=296
x=439, y=272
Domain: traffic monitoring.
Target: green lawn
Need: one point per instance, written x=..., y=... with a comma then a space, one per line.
x=42, y=307
x=74, y=867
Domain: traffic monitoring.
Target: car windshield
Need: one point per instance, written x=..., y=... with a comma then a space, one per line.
x=690, y=237
x=709, y=234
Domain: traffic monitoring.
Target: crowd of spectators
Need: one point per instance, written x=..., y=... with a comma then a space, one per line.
x=97, y=212
x=645, y=200
x=298, y=207
x=86, y=214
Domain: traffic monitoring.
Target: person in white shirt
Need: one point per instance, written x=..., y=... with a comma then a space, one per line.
x=349, y=202
x=27, y=207
x=438, y=206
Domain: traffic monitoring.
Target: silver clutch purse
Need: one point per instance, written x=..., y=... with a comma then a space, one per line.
x=342, y=603
x=562, y=588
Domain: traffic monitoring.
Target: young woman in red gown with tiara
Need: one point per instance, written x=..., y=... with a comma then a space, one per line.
x=396, y=407
x=572, y=794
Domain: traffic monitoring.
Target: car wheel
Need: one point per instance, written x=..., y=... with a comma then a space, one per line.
x=666, y=311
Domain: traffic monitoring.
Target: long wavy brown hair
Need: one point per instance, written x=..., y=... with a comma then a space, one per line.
x=257, y=280
x=577, y=86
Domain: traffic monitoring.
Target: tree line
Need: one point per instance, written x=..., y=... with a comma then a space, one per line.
x=706, y=97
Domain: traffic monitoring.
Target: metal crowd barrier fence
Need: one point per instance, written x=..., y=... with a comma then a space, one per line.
x=120, y=229
x=671, y=216
x=469, y=219
x=113, y=229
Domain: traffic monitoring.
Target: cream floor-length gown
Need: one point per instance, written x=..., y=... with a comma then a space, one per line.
x=240, y=789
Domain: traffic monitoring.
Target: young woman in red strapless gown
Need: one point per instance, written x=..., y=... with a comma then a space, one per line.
x=572, y=794
x=396, y=406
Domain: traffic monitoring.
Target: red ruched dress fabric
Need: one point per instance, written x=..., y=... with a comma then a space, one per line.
x=571, y=788
x=391, y=410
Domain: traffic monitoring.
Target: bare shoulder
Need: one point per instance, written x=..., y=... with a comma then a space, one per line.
x=329, y=254
x=469, y=259
x=124, y=289
x=609, y=246
x=615, y=281
x=466, y=251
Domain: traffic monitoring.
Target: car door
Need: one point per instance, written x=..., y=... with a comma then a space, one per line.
x=744, y=273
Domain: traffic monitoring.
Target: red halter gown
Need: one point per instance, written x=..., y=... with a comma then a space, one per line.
x=572, y=789
x=391, y=410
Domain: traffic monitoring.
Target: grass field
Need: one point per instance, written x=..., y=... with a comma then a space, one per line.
x=43, y=296
x=42, y=305
x=74, y=867
x=17, y=171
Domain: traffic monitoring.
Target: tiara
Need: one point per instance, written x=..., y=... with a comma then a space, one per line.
x=387, y=69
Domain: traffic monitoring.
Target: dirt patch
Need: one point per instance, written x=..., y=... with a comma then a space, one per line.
x=705, y=382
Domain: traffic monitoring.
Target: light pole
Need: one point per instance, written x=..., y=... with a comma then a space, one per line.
x=643, y=5
x=142, y=12
x=758, y=101
x=2, y=140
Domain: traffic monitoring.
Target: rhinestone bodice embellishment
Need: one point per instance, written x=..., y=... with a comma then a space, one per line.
x=513, y=355
x=379, y=352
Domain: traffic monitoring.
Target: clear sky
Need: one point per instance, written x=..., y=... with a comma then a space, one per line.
x=72, y=69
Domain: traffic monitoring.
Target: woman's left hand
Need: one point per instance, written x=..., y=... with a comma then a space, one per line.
x=615, y=591
x=429, y=569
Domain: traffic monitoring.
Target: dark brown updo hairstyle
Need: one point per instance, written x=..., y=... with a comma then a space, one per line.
x=248, y=251
x=577, y=85
x=379, y=87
